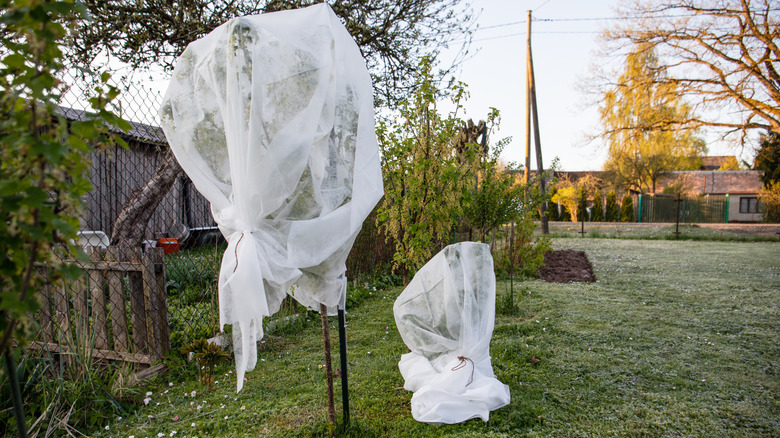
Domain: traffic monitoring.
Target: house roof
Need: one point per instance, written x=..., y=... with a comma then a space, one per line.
x=715, y=162
x=138, y=131
x=715, y=182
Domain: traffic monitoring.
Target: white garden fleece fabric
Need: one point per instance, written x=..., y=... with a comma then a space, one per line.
x=272, y=118
x=446, y=316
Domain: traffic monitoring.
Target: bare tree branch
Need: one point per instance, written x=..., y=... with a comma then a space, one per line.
x=718, y=53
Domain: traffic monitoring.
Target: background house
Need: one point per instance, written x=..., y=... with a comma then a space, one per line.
x=741, y=186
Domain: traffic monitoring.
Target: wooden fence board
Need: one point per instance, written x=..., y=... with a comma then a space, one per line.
x=97, y=285
x=80, y=309
x=158, y=257
x=117, y=282
x=151, y=303
x=116, y=297
x=46, y=320
x=63, y=314
x=138, y=313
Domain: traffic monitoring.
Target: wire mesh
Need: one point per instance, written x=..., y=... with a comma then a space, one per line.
x=181, y=223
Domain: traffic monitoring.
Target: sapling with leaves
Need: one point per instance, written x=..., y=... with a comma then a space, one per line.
x=45, y=159
x=425, y=177
x=45, y=164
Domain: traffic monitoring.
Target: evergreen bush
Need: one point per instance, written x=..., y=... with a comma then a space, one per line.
x=611, y=214
x=627, y=209
x=598, y=209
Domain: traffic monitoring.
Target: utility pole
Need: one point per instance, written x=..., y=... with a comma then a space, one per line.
x=527, y=168
x=532, y=109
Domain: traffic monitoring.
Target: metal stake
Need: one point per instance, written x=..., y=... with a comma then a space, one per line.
x=21, y=425
x=677, y=226
x=328, y=366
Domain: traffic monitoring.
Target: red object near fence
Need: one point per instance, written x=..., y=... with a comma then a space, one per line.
x=169, y=245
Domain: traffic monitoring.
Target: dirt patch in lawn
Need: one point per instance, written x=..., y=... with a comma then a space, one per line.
x=567, y=266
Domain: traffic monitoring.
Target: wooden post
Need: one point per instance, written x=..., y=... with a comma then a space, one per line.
x=80, y=313
x=138, y=314
x=328, y=364
x=512, y=264
x=150, y=303
x=63, y=314
x=46, y=320
x=97, y=283
x=527, y=101
x=537, y=139
x=158, y=258
x=116, y=296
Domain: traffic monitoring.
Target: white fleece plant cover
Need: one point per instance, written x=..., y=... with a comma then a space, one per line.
x=446, y=316
x=272, y=118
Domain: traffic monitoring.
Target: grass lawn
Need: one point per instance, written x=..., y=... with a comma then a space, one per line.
x=675, y=339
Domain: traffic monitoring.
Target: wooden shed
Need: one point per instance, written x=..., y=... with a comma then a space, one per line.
x=118, y=171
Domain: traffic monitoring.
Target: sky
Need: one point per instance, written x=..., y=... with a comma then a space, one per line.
x=564, y=50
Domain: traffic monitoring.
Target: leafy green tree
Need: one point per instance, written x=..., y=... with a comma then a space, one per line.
x=598, y=208
x=611, y=213
x=640, y=151
x=627, y=209
x=44, y=159
x=529, y=250
x=393, y=35
x=426, y=177
x=768, y=158
x=495, y=198
x=582, y=201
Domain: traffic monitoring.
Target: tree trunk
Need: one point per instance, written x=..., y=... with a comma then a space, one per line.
x=131, y=223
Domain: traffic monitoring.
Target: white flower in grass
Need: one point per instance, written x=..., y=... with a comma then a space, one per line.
x=108, y=427
x=160, y=435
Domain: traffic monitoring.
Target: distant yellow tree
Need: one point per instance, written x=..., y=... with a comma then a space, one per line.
x=640, y=147
x=568, y=197
x=731, y=163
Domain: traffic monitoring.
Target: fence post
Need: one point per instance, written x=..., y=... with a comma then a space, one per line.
x=727, y=208
x=639, y=208
x=677, y=226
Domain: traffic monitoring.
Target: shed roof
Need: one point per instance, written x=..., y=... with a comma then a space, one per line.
x=138, y=131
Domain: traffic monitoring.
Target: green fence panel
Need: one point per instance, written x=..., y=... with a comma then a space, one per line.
x=700, y=209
